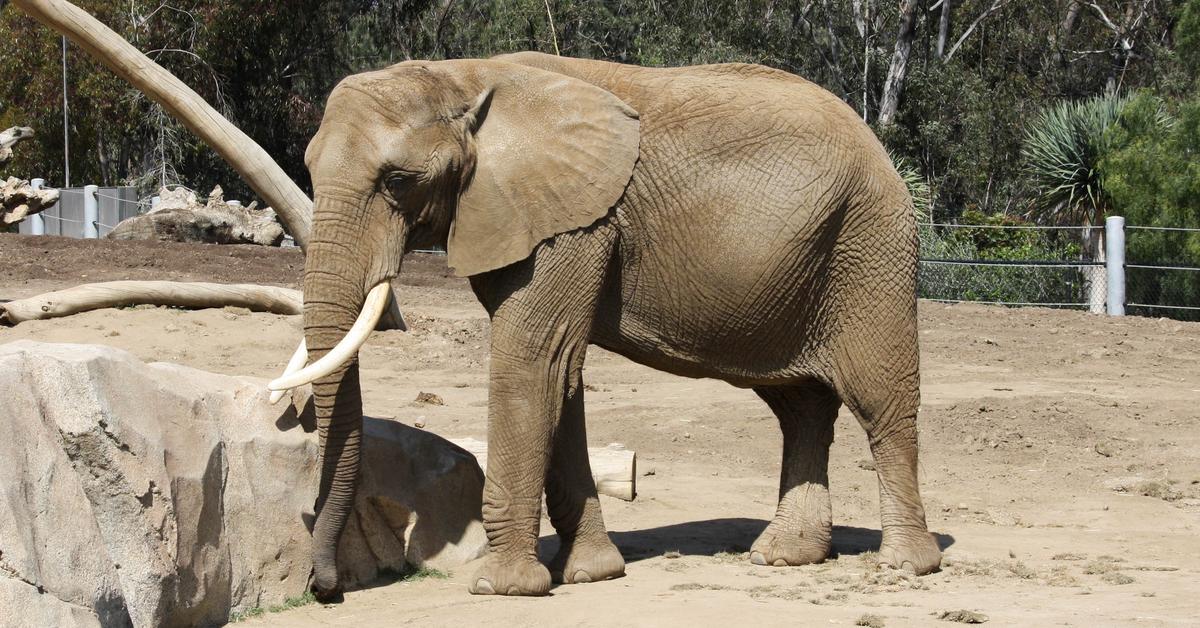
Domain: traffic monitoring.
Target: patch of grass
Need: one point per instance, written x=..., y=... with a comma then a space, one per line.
x=1158, y=490
x=1020, y=570
x=1116, y=577
x=1060, y=577
x=411, y=574
x=1068, y=556
x=672, y=554
x=775, y=591
x=699, y=586
x=873, y=621
x=732, y=556
x=292, y=602
x=1099, y=567
x=963, y=617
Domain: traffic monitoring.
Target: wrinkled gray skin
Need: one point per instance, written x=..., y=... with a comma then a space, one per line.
x=750, y=228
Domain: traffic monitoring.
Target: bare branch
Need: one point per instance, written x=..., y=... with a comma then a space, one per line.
x=996, y=6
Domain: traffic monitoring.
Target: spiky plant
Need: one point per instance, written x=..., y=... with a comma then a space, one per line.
x=1062, y=152
x=917, y=186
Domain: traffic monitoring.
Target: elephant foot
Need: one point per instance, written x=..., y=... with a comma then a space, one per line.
x=781, y=545
x=521, y=576
x=590, y=561
x=916, y=553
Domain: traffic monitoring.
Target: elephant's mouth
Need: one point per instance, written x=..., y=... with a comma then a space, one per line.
x=294, y=375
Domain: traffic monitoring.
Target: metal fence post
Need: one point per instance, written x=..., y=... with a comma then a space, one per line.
x=37, y=224
x=91, y=212
x=1114, y=262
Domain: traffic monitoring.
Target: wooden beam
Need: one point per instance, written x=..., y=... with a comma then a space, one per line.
x=614, y=468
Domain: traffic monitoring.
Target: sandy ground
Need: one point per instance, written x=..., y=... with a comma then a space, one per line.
x=1060, y=457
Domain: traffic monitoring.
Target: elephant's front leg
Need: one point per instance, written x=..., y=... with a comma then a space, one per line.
x=542, y=311
x=586, y=554
x=525, y=399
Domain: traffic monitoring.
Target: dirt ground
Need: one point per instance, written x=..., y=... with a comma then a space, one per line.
x=1060, y=457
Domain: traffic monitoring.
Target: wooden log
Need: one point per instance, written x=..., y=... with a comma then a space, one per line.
x=174, y=293
x=614, y=468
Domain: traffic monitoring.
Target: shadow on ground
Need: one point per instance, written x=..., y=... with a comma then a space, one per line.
x=713, y=536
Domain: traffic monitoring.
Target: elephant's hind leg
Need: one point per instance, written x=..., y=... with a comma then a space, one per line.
x=801, y=531
x=885, y=399
x=585, y=554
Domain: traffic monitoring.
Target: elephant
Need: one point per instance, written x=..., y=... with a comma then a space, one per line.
x=728, y=221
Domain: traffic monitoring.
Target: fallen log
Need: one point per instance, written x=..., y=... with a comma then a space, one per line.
x=18, y=200
x=195, y=295
x=614, y=468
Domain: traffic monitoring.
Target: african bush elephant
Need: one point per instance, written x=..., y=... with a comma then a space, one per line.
x=727, y=221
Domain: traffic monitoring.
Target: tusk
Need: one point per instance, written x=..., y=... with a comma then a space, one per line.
x=293, y=365
x=372, y=310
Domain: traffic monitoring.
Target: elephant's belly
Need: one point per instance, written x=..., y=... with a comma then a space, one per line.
x=748, y=325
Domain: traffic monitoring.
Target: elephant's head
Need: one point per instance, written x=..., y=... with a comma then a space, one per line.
x=487, y=158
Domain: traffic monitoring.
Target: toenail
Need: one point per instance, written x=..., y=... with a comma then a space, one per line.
x=483, y=587
x=757, y=558
x=581, y=577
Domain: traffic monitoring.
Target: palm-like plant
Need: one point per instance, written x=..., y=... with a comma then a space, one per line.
x=1062, y=153
x=918, y=187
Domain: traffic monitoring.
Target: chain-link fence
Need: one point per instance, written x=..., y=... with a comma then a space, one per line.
x=1060, y=267
x=1010, y=265
x=1162, y=272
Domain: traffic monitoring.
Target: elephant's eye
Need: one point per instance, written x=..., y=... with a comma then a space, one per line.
x=397, y=184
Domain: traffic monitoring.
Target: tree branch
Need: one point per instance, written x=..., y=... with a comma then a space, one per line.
x=996, y=6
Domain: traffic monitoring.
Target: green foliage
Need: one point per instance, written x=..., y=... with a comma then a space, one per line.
x=411, y=574
x=1063, y=149
x=1154, y=180
x=1010, y=284
x=918, y=187
x=1187, y=38
x=292, y=602
x=269, y=66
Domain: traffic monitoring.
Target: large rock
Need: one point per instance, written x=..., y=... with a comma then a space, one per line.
x=180, y=217
x=154, y=494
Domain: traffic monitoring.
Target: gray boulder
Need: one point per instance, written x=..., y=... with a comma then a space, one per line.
x=155, y=494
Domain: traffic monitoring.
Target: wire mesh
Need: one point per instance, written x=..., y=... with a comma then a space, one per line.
x=1015, y=265
x=1162, y=272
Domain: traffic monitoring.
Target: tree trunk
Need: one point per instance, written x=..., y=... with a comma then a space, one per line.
x=893, y=87
x=943, y=29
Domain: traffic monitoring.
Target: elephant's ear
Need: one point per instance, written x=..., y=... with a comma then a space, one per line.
x=553, y=154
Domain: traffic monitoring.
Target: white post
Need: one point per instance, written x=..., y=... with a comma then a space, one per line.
x=37, y=224
x=91, y=212
x=155, y=201
x=1114, y=245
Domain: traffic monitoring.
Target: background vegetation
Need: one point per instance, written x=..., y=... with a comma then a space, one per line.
x=984, y=104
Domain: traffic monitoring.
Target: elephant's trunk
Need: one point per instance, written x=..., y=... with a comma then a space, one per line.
x=337, y=273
